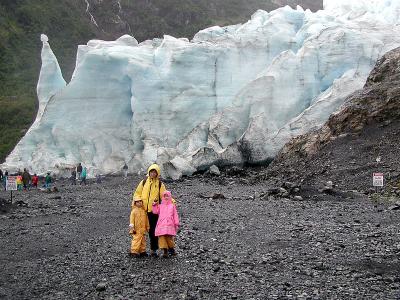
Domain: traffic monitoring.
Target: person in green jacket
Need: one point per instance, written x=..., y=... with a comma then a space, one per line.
x=83, y=176
x=47, y=181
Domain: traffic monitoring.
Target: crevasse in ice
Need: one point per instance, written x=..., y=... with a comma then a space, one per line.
x=230, y=95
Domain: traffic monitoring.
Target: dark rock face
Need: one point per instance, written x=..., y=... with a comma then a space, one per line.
x=306, y=4
x=360, y=139
x=387, y=70
x=146, y=19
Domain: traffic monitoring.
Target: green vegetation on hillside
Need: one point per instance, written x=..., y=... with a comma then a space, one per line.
x=15, y=116
x=21, y=23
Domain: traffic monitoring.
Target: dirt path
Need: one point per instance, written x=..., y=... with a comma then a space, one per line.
x=244, y=246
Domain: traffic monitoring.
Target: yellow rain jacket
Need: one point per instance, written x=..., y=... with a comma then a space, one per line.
x=139, y=222
x=151, y=191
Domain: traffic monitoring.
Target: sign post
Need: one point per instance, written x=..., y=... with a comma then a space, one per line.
x=11, y=184
x=377, y=180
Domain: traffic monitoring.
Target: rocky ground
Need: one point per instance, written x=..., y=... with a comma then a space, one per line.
x=345, y=166
x=237, y=241
x=310, y=226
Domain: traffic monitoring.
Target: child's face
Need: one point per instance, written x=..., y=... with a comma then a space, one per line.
x=139, y=203
x=153, y=174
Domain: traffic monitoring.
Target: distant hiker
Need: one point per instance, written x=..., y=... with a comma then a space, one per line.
x=138, y=227
x=167, y=224
x=2, y=178
x=47, y=181
x=19, y=182
x=26, y=179
x=73, y=176
x=35, y=180
x=83, y=176
x=125, y=169
x=150, y=190
x=5, y=175
x=79, y=170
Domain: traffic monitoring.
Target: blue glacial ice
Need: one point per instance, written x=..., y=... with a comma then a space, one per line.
x=231, y=95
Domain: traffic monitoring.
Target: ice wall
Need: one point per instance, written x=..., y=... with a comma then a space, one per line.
x=51, y=80
x=231, y=95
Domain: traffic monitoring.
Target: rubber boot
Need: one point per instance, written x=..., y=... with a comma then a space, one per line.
x=165, y=253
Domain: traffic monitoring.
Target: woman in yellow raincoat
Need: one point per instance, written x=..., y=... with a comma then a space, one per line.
x=150, y=191
x=138, y=227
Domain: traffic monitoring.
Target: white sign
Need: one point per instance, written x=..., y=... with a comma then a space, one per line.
x=377, y=179
x=11, y=183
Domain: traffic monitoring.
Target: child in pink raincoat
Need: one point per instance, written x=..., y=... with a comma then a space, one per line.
x=167, y=224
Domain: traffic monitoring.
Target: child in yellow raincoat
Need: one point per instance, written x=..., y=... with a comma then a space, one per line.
x=19, y=182
x=138, y=227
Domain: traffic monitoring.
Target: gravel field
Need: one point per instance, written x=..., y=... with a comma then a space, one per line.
x=236, y=241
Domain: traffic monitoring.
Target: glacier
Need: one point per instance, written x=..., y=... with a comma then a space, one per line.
x=231, y=95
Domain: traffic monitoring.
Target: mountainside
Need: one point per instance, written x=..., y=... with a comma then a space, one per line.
x=147, y=19
x=69, y=23
x=358, y=140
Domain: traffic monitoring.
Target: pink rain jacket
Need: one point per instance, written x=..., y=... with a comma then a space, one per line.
x=168, y=220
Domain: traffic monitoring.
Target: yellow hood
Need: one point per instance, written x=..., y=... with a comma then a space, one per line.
x=154, y=167
x=150, y=190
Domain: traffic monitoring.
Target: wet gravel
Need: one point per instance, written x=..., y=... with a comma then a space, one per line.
x=236, y=241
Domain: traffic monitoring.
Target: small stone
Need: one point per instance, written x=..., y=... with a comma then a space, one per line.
x=218, y=196
x=214, y=170
x=394, y=207
x=282, y=190
x=264, y=260
x=244, y=181
x=215, y=259
x=101, y=286
x=319, y=266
